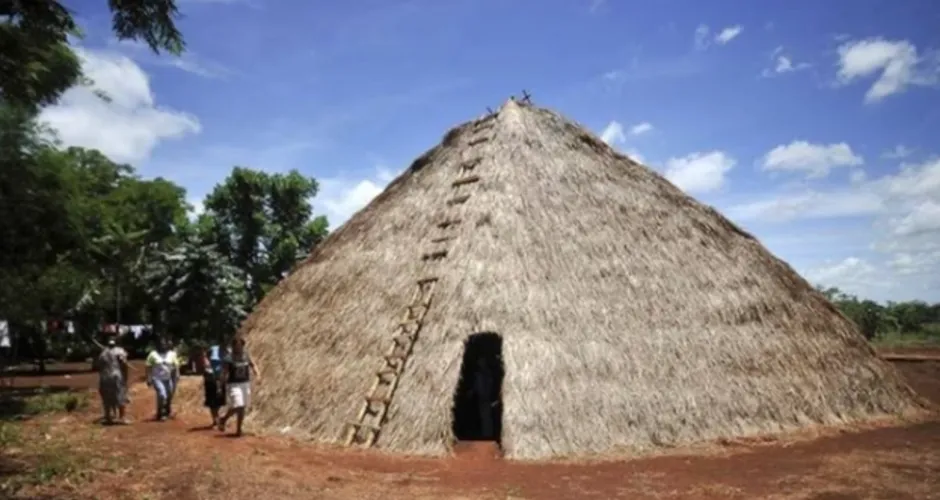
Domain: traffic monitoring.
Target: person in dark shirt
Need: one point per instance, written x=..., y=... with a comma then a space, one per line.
x=214, y=400
x=237, y=372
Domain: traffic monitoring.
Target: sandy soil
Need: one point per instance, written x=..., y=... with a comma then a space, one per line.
x=182, y=459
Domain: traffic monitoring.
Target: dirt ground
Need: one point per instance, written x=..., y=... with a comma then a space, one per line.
x=182, y=459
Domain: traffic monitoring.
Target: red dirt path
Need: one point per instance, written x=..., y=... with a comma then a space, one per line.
x=890, y=463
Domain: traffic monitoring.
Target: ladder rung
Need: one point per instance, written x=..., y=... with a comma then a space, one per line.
x=447, y=223
x=465, y=180
x=378, y=399
x=404, y=325
x=403, y=339
x=386, y=372
x=392, y=358
x=478, y=140
x=414, y=311
x=364, y=426
x=457, y=200
x=404, y=330
x=436, y=255
x=429, y=279
x=471, y=164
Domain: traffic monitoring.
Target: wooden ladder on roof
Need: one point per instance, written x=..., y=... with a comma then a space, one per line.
x=365, y=429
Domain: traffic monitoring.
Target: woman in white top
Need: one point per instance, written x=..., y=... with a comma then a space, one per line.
x=163, y=374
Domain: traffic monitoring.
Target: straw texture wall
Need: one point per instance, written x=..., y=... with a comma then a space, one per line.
x=633, y=317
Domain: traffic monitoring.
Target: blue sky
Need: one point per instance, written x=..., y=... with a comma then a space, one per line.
x=812, y=124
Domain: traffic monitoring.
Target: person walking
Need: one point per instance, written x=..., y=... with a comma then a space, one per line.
x=163, y=373
x=237, y=372
x=112, y=381
x=213, y=391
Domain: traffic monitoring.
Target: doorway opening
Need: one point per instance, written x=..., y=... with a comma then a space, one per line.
x=478, y=405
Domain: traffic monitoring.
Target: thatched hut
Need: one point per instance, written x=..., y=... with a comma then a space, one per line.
x=623, y=314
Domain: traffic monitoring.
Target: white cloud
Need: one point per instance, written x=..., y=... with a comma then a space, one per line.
x=341, y=197
x=923, y=217
x=908, y=197
x=852, y=274
x=703, y=40
x=635, y=155
x=914, y=182
x=188, y=62
x=127, y=128
x=783, y=63
x=814, y=159
x=613, y=133
x=699, y=172
x=641, y=128
x=899, y=151
x=701, y=37
x=615, y=136
x=904, y=209
x=895, y=62
x=907, y=264
x=728, y=34
x=196, y=208
x=858, y=177
x=811, y=205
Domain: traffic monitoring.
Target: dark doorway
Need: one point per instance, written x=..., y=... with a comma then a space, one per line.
x=478, y=405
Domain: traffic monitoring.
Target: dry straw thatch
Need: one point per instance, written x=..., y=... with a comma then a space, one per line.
x=633, y=316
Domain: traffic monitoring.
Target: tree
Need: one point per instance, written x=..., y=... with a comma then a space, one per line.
x=914, y=319
x=263, y=223
x=36, y=62
x=72, y=228
x=36, y=222
x=198, y=292
x=870, y=318
x=122, y=216
x=120, y=253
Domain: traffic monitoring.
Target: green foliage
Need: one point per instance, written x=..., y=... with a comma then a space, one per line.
x=10, y=435
x=200, y=294
x=55, y=403
x=86, y=239
x=37, y=63
x=152, y=21
x=38, y=223
x=263, y=223
x=892, y=323
x=22, y=407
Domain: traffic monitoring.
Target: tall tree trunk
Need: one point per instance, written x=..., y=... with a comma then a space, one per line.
x=117, y=304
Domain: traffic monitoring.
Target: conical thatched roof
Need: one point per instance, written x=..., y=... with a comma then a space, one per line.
x=632, y=316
